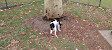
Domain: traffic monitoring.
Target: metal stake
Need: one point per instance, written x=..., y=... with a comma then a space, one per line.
x=6, y=4
x=100, y=3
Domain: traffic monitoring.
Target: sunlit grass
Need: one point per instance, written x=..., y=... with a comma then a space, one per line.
x=104, y=3
x=15, y=2
x=90, y=13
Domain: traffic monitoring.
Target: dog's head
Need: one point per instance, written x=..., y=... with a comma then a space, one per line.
x=60, y=25
x=52, y=26
x=58, y=19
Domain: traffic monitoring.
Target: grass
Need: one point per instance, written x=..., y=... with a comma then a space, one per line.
x=104, y=3
x=15, y=35
x=14, y=2
x=12, y=20
x=91, y=14
x=73, y=11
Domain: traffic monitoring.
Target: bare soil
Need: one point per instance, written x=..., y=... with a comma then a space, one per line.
x=73, y=28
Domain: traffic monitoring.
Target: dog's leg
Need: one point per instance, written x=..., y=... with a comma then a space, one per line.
x=55, y=32
x=51, y=31
x=59, y=27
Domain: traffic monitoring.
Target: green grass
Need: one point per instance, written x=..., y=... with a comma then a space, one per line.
x=94, y=14
x=4, y=43
x=104, y=3
x=12, y=20
x=73, y=11
x=14, y=2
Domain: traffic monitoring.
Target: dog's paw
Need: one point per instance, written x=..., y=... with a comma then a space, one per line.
x=50, y=33
x=56, y=36
x=59, y=30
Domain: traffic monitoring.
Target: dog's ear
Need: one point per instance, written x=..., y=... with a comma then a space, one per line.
x=52, y=20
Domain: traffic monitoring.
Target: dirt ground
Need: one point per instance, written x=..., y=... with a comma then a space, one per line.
x=73, y=28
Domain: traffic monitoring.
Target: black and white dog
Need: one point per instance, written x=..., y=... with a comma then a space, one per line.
x=55, y=22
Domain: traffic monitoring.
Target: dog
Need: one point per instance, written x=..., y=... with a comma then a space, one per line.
x=53, y=25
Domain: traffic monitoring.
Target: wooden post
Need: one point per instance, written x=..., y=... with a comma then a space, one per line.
x=53, y=8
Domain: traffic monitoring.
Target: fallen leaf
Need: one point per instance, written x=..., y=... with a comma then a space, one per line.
x=29, y=10
x=109, y=10
x=14, y=41
x=100, y=49
x=55, y=48
x=23, y=33
x=49, y=45
x=33, y=1
x=40, y=33
x=76, y=49
x=84, y=20
x=32, y=36
x=1, y=10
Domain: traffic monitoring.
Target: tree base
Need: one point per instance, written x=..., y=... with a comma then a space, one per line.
x=49, y=19
x=45, y=18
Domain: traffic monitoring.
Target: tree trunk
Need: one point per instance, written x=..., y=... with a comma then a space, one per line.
x=53, y=8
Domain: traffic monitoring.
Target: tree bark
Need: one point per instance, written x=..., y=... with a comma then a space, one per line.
x=53, y=8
